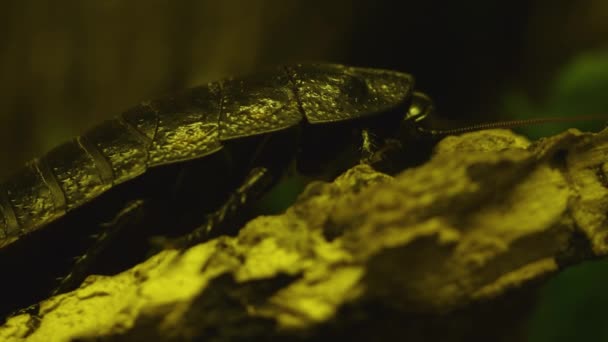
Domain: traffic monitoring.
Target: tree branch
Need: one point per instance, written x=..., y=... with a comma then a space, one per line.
x=451, y=250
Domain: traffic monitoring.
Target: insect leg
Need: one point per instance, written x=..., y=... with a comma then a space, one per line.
x=256, y=183
x=130, y=213
x=34, y=320
x=267, y=162
x=375, y=152
x=369, y=145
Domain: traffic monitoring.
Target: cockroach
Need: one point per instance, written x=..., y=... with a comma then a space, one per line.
x=191, y=162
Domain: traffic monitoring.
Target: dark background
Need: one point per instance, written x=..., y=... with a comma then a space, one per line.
x=66, y=65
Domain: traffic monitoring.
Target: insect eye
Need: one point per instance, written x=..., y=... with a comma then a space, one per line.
x=414, y=112
x=420, y=107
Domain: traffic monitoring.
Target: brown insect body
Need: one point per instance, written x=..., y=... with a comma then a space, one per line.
x=187, y=152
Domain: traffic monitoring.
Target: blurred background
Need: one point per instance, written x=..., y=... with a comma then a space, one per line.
x=66, y=65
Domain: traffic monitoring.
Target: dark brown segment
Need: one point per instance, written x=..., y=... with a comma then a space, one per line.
x=51, y=181
x=3, y=224
x=143, y=118
x=137, y=134
x=77, y=173
x=329, y=93
x=121, y=147
x=188, y=125
x=8, y=222
x=31, y=199
x=101, y=163
x=258, y=104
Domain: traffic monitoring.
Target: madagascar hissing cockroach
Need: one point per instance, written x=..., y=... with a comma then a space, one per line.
x=169, y=163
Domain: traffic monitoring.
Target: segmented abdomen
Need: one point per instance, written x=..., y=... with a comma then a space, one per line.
x=113, y=152
x=189, y=125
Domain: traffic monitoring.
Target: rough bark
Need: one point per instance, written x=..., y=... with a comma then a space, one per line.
x=453, y=250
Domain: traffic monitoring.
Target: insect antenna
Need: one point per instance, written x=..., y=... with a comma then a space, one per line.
x=509, y=124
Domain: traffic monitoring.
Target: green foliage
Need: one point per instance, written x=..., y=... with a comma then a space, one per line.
x=572, y=305
x=281, y=196
x=579, y=89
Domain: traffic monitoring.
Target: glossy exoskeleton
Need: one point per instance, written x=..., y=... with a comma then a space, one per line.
x=170, y=162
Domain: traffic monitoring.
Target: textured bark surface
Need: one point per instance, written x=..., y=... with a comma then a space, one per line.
x=452, y=250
